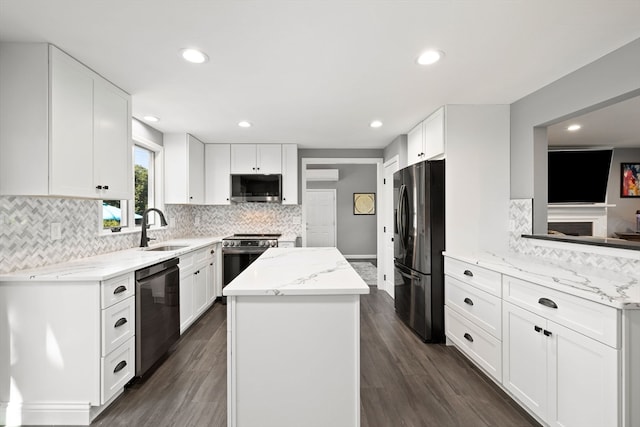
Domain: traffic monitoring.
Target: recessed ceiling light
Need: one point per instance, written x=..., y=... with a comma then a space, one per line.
x=573, y=128
x=244, y=124
x=194, y=55
x=375, y=124
x=430, y=57
x=151, y=118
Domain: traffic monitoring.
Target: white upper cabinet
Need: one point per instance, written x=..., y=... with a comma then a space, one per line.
x=427, y=140
x=217, y=174
x=66, y=131
x=256, y=158
x=289, y=174
x=183, y=169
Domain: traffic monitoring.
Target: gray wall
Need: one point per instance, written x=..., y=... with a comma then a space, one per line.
x=356, y=233
x=610, y=79
x=397, y=147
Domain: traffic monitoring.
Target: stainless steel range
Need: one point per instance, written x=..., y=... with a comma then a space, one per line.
x=240, y=250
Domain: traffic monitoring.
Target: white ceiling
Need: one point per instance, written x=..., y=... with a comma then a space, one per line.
x=317, y=72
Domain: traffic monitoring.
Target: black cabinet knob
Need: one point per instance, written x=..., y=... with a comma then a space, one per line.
x=99, y=187
x=106, y=187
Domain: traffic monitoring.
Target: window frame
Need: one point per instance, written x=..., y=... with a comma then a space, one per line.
x=155, y=182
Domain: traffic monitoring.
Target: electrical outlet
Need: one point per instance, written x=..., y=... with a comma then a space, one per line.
x=56, y=231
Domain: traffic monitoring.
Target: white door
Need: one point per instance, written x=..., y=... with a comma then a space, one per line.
x=321, y=218
x=386, y=263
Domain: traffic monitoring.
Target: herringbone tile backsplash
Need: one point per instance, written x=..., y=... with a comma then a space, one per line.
x=25, y=227
x=521, y=216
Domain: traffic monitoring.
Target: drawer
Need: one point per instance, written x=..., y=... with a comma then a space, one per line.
x=481, y=308
x=482, y=278
x=594, y=320
x=117, y=289
x=481, y=347
x=118, y=324
x=203, y=255
x=117, y=368
x=186, y=260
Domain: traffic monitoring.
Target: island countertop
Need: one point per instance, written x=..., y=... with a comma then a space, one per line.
x=298, y=271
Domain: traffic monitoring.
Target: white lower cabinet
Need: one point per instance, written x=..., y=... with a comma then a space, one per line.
x=198, y=284
x=569, y=361
x=72, y=347
x=564, y=377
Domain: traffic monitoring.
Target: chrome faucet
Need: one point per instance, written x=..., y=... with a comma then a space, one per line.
x=144, y=240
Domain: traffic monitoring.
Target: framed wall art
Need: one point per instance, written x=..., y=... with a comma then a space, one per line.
x=364, y=203
x=629, y=179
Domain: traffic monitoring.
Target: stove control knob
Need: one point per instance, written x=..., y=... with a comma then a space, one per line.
x=274, y=243
x=225, y=243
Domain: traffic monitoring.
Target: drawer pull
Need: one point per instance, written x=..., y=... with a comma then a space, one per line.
x=468, y=337
x=121, y=321
x=468, y=301
x=547, y=303
x=120, y=289
x=120, y=366
x=537, y=328
x=547, y=333
x=468, y=273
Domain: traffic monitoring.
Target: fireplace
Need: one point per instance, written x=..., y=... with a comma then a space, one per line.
x=578, y=220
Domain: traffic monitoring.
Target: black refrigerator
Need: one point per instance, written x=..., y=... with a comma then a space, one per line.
x=419, y=239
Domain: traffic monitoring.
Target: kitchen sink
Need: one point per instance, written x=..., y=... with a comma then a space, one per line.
x=166, y=248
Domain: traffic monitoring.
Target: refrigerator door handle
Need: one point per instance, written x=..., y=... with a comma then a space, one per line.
x=402, y=214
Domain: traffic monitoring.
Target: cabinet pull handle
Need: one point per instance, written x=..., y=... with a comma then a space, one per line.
x=537, y=328
x=106, y=187
x=468, y=337
x=120, y=366
x=547, y=333
x=121, y=321
x=120, y=289
x=468, y=273
x=547, y=303
x=98, y=187
x=211, y=264
x=468, y=301
x=212, y=251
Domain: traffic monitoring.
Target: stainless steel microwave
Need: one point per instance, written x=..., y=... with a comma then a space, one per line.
x=256, y=188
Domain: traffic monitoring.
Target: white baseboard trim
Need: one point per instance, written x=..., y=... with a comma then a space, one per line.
x=15, y=414
x=348, y=257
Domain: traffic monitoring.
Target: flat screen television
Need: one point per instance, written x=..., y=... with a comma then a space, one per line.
x=578, y=176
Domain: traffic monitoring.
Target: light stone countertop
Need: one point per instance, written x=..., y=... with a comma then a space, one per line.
x=614, y=289
x=298, y=271
x=106, y=266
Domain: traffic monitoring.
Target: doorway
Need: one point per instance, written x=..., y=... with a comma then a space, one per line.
x=388, y=217
x=321, y=217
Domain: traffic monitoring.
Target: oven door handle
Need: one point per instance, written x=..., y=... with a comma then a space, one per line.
x=245, y=250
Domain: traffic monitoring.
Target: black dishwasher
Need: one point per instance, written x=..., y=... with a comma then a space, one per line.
x=157, y=312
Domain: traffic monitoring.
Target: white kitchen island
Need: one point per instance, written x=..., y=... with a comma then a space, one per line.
x=293, y=340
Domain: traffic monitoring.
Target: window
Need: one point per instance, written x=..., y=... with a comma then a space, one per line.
x=143, y=172
x=147, y=158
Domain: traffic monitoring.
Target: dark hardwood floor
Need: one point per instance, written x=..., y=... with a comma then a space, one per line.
x=404, y=382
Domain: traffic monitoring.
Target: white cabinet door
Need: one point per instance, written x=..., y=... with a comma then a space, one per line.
x=583, y=377
x=210, y=274
x=217, y=174
x=524, y=358
x=243, y=158
x=112, y=142
x=200, y=289
x=196, y=171
x=187, y=314
x=256, y=158
x=71, y=127
x=289, y=174
x=415, y=152
x=269, y=158
x=433, y=131
x=183, y=169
